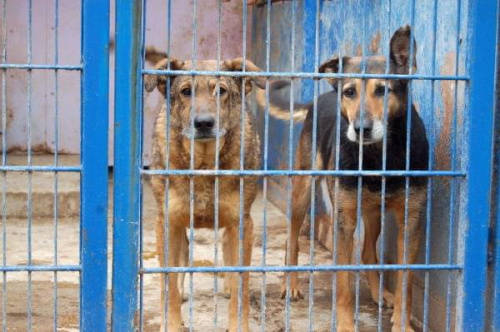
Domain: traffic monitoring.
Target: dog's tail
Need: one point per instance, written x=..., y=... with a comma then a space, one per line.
x=153, y=56
x=279, y=107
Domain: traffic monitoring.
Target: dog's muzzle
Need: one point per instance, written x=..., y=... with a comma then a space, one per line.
x=373, y=131
x=204, y=129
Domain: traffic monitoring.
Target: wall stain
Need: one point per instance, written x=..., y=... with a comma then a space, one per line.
x=375, y=43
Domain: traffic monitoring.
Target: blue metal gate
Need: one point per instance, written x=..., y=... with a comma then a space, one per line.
x=93, y=168
x=470, y=178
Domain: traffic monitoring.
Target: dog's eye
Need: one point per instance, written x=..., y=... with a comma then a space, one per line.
x=350, y=92
x=186, y=92
x=222, y=91
x=380, y=91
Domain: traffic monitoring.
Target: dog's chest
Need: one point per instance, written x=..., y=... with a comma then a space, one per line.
x=204, y=194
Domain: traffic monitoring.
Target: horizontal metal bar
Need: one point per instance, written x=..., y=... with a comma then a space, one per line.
x=225, y=172
x=301, y=268
x=40, y=169
x=41, y=268
x=40, y=67
x=302, y=75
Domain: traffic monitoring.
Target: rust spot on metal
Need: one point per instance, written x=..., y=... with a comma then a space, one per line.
x=375, y=43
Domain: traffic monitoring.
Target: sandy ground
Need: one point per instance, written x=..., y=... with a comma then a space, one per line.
x=204, y=302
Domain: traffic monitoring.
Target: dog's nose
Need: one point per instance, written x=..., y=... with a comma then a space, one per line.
x=204, y=122
x=363, y=124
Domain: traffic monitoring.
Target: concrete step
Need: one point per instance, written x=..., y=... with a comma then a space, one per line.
x=19, y=187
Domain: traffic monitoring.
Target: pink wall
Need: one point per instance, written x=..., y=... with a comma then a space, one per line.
x=43, y=98
x=43, y=50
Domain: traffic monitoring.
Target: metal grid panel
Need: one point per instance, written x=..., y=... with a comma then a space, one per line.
x=93, y=169
x=469, y=172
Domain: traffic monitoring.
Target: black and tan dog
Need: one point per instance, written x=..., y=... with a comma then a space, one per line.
x=200, y=95
x=362, y=122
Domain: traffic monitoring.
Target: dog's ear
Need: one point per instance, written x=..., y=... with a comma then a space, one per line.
x=237, y=65
x=153, y=56
x=159, y=81
x=332, y=66
x=400, y=50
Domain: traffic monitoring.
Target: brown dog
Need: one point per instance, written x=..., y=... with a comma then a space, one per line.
x=361, y=122
x=197, y=97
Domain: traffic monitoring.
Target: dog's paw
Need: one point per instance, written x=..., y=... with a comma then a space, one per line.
x=226, y=289
x=388, y=299
x=184, y=297
x=225, y=294
x=396, y=324
x=295, y=293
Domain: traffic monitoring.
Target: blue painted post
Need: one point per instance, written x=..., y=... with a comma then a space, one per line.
x=94, y=174
x=127, y=164
x=482, y=23
x=495, y=240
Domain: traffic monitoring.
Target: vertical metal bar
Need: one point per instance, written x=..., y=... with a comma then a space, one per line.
x=94, y=176
x=429, y=179
x=128, y=103
x=359, y=200
x=290, y=167
x=495, y=309
x=313, y=7
x=4, y=161
x=337, y=167
x=191, y=165
x=482, y=47
x=141, y=232
x=56, y=154
x=166, y=229
x=216, y=184
x=265, y=167
x=29, y=143
x=384, y=179
x=453, y=181
x=409, y=108
x=242, y=166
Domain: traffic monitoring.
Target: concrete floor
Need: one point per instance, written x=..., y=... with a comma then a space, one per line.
x=43, y=291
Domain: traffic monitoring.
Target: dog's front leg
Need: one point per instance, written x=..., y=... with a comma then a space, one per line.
x=372, y=222
x=228, y=260
x=301, y=195
x=232, y=237
x=173, y=318
x=347, y=225
x=413, y=228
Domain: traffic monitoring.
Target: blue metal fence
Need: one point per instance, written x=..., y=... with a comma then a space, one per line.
x=467, y=177
x=93, y=169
